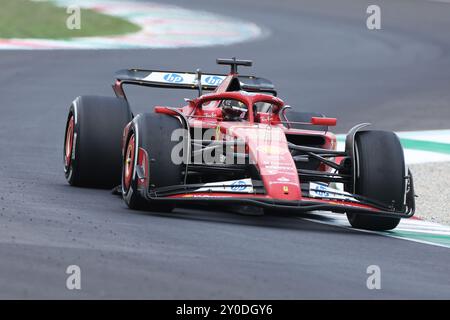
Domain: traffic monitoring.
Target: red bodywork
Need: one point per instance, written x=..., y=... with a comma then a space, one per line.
x=265, y=136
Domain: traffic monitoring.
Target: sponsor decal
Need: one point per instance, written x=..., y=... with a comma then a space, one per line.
x=240, y=186
x=170, y=77
x=183, y=78
x=284, y=171
x=212, y=80
x=279, y=168
x=270, y=149
x=173, y=77
x=318, y=190
x=274, y=159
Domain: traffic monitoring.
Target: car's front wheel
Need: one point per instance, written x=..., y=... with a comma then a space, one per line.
x=381, y=176
x=147, y=162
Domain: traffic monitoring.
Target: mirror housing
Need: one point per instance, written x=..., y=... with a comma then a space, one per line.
x=322, y=121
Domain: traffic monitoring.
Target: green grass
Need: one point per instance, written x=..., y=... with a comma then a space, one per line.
x=28, y=19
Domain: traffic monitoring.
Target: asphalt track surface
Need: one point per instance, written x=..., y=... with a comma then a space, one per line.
x=320, y=56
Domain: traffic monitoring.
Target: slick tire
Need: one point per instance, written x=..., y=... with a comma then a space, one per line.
x=93, y=140
x=150, y=133
x=381, y=177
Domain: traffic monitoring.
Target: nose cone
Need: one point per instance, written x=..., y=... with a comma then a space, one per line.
x=269, y=151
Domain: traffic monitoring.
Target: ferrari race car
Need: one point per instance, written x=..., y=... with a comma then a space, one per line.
x=236, y=144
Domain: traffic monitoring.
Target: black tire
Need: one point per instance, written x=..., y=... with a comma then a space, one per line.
x=94, y=158
x=303, y=116
x=153, y=132
x=382, y=174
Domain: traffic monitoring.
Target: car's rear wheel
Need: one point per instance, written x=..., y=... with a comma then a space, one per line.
x=92, y=144
x=147, y=160
x=380, y=176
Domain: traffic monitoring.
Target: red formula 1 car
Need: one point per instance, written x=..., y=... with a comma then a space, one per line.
x=239, y=145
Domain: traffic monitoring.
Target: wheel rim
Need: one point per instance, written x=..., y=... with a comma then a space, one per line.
x=129, y=162
x=68, y=148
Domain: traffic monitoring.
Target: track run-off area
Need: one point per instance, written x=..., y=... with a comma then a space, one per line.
x=162, y=26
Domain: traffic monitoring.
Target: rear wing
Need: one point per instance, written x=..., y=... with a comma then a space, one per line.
x=188, y=80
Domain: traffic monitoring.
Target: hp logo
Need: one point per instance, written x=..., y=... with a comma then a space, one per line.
x=173, y=77
x=322, y=191
x=238, y=186
x=213, y=80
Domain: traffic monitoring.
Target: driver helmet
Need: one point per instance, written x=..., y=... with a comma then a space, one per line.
x=233, y=110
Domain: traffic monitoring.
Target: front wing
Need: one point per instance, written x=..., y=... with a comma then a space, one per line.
x=264, y=201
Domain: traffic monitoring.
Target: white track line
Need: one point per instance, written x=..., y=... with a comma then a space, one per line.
x=387, y=234
x=409, y=229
